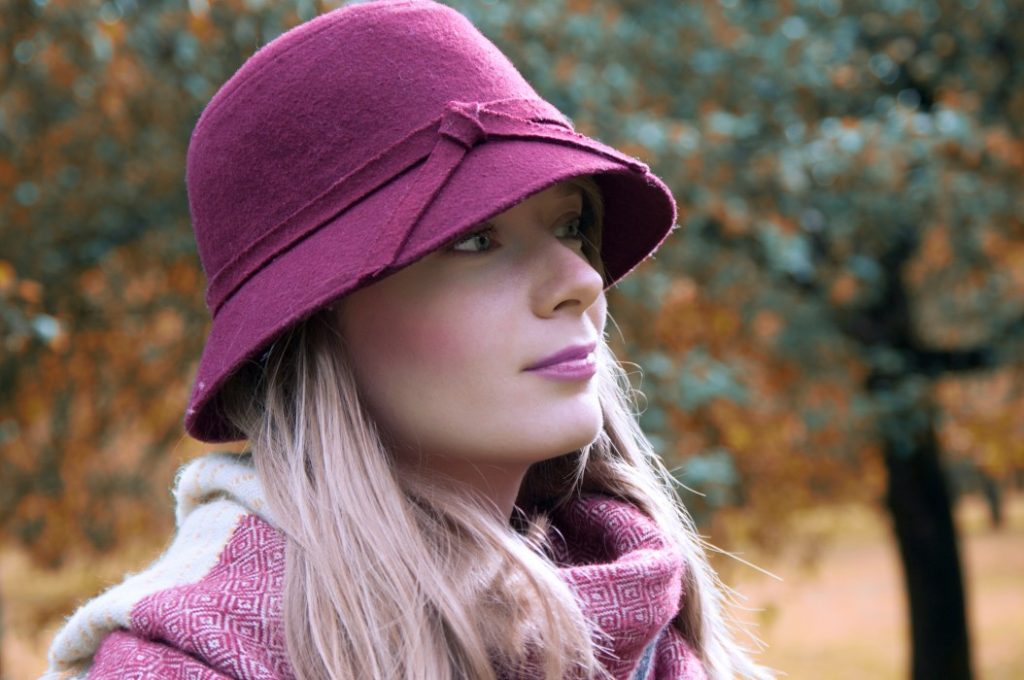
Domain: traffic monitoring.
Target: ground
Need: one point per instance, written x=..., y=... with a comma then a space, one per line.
x=845, y=617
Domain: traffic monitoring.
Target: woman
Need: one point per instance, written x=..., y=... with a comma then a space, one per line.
x=407, y=252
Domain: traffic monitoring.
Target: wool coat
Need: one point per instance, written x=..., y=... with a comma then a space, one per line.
x=210, y=608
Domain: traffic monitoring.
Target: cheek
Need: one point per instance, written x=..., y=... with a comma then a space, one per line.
x=598, y=312
x=405, y=347
x=405, y=339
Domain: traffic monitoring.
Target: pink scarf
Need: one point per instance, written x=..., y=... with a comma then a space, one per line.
x=227, y=623
x=628, y=578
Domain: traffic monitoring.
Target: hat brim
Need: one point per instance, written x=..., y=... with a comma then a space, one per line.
x=492, y=177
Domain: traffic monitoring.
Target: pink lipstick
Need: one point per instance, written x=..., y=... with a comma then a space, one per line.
x=572, y=363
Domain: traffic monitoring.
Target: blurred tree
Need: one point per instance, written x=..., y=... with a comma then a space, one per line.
x=853, y=234
x=101, y=313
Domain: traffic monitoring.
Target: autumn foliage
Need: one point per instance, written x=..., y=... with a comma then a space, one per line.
x=847, y=279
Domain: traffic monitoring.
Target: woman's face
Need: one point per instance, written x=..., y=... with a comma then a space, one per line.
x=441, y=348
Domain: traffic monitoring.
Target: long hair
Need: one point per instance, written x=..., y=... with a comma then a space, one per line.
x=373, y=552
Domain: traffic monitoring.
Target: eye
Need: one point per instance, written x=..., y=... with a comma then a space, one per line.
x=578, y=229
x=575, y=228
x=478, y=241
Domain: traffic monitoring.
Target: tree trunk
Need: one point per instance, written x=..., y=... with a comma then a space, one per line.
x=993, y=498
x=919, y=503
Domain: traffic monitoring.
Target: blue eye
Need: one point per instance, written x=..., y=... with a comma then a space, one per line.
x=479, y=237
x=577, y=227
x=580, y=229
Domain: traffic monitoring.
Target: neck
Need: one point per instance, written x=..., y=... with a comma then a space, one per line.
x=496, y=484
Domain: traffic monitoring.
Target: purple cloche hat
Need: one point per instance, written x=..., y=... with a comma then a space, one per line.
x=355, y=144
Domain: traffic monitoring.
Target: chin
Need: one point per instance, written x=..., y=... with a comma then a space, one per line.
x=571, y=439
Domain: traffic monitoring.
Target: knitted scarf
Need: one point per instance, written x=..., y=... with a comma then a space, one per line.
x=628, y=580
x=211, y=606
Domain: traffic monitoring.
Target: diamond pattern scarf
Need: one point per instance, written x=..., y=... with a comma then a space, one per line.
x=628, y=578
x=210, y=608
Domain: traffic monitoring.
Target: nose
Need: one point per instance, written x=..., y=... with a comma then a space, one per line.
x=564, y=281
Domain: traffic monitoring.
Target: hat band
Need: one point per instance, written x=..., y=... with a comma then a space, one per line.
x=443, y=142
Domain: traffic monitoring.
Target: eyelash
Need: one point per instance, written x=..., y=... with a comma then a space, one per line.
x=581, y=235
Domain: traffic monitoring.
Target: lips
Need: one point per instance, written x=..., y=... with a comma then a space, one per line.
x=572, y=353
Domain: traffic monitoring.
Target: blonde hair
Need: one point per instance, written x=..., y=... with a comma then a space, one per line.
x=369, y=588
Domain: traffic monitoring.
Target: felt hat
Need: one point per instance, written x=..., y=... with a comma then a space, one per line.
x=356, y=143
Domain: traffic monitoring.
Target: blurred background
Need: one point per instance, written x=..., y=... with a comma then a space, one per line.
x=832, y=344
